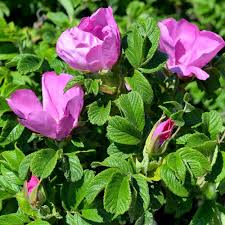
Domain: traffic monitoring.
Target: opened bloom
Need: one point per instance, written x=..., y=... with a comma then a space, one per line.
x=60, y=111
x=188, y=48
x=31, y=184
x=163, y=131
x=93, y=45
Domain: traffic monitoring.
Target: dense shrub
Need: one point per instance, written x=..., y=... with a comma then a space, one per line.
x=107, y=121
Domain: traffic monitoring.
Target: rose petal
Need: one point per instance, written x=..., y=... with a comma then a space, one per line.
x=24, y=101
x=54, y=98
x=40, y=122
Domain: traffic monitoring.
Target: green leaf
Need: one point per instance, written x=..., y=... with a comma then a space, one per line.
x=13, y=158
x=99, y=183
x=44, y=162
x=117, y=196
x=212, y=123
x=29, y=63
x=14, y=219
x=7, y=184
x=197, y=162
x=4, y=9
x=77, y=80
x=132, y=107
x=39, y=222
x=92, y=215
x=58, y=18
x=141, y=85
x=3, y=106
x=175, y=163
x=122, y=131
x=193, y=140
x=150, y=29
x=75, y=219
x=24, y=166
x=134, y=52
x=13, y=135
x=203, y=218
x=82, y=187
x=135, y=8
x=221, y=171
x=121, y=151
x=76, y=170
x=145, y=219
x=92, y=86
x=169, y=177
x=157, y=62
x=68, y=6
x=143, y=189
x=98, y=114
x=115, y=162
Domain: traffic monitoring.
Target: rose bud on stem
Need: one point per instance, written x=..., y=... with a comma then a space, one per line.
x=158, y=136
x=34, y=192
x=156, y=142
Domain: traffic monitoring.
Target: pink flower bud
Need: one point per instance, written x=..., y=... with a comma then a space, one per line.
x=60, y=111
x=31, y=184
x=163, y=131
x=93, y=45
x=188, y=48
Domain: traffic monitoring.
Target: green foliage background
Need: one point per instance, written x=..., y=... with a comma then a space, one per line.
x=102, y=174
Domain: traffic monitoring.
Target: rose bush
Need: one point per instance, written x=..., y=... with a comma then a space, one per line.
x=131, y=125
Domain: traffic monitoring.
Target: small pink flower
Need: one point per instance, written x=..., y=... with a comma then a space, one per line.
x=93, y=45
x=31, y=184
x=188, y=48
x=163, y=131
x=60, y=111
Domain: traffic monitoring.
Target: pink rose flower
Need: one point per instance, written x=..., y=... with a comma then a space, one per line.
x=31, y=184
x=188, y=48
x=93, y=45
x=163, y=131
x=60, y=111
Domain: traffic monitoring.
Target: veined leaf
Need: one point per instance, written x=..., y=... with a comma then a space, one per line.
x=76, y=219
x=134, y=52
x=203, y=218
x=145, y=219
x=115, y=162
x=13, y=158
x=150, y=29
x=98, y=183
x=14, y=218
x=143, y=190
x=197, y=162
x=29, y=63
x=117, y=196
x=82, y=187
x=76, y=170
x=99, y=114
x=13, y=135
x=132, y=106
x=122, y=131
x=39, y=222
x=141, y=85
x=171, y=181
x=212, y=123
x=43, y=162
